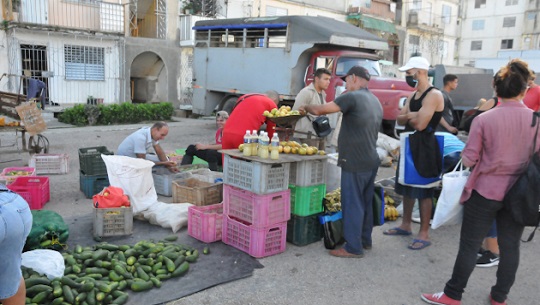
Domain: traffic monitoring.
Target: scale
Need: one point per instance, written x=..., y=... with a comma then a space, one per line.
x=285, y=125
x=285, y=129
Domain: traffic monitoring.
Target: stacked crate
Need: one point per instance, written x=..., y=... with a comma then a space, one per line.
x=307, y=186
x=93, y=172
x=256, y=205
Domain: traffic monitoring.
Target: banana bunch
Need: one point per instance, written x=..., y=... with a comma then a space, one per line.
x=389, y=200
x=332, y=200
x=390, y=212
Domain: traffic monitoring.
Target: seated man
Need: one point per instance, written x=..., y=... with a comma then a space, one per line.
x=208, y=152
x=136, y=145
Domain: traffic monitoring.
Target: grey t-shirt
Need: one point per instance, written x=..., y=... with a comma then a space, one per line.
x=447, y=111
x=357, y=141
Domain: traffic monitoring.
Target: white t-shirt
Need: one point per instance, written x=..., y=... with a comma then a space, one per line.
x=137, y=143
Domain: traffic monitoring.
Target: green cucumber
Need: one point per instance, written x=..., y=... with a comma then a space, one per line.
x=34, y=290
x=171, y=238
x=183, y=268
x=35, y=281
x=40, y=297
x=68, y=294
x=141, y=285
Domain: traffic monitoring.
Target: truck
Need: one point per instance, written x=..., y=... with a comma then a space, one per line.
x=237, y=56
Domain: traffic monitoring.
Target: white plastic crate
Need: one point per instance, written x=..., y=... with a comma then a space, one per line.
x=50, y=163
x=257, y=177
x=307, y=173
x=163, y=179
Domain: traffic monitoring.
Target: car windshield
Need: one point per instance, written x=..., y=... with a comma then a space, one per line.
x=345, y=63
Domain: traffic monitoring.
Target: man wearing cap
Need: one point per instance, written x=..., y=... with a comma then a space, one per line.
x=311, y=95
x=422, y=112
x=358, y=158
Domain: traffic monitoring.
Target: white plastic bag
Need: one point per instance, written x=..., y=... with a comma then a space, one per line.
x=391, y=145
x=168, y=215
x=449, y=211
x=47, y=262
x=134, y=176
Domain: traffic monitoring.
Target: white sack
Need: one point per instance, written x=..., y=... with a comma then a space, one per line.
x=47, y=262
x=134, y=176
x=168, y=215
x=391, y=145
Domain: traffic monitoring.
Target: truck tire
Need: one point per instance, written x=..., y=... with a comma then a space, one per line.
x=228, y=103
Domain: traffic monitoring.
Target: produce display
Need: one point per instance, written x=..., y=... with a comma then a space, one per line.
x=332, y=202
x=18, y=173
x=293, y=147
x=101, y=274
x=390, y=211
x=281, y=112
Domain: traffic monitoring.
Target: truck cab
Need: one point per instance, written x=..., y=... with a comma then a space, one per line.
x=391, y=92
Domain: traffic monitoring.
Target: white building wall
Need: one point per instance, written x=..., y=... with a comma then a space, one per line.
x=334, y=9
x=492, y=14
x=64, y=91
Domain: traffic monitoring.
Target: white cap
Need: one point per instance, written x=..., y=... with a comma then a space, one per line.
x=415, y=62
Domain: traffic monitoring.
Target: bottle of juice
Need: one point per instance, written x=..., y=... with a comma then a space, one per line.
x=254, y=143
x=247, y=143
x=274, y=152
x=263, y=147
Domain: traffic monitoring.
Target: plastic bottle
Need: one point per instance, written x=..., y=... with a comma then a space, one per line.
x=247, y=143
x=263, y=147
x=254, y=143
x=274, y=152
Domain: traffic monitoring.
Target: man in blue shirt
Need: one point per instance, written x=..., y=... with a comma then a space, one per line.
x=137, y=144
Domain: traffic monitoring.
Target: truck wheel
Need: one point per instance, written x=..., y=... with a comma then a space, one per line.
x=228, y=104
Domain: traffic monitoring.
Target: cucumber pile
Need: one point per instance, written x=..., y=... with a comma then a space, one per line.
x=101, y=274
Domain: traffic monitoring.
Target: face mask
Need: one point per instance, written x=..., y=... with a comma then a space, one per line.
x=411, y=81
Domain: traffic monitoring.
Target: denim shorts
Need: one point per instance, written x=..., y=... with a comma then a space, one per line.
x=15, y=224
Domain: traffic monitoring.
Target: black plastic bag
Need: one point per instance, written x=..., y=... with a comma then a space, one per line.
x=333, y=229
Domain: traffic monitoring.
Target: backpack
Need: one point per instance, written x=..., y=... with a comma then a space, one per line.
x=523, y=198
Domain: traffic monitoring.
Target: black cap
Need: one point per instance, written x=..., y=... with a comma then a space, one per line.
x=358, y=71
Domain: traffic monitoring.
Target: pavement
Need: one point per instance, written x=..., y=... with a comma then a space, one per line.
x=389, y=274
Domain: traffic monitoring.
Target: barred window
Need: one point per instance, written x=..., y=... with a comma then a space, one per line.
x=509, y=22
x=84, y=63
x=507, y=44
x=478, y=25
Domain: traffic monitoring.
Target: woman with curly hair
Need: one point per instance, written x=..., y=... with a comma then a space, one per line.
x=498, y=149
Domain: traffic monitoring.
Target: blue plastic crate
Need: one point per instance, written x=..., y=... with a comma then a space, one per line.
x=92, y=184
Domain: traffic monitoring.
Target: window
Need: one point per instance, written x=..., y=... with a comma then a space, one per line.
x=511, y=2
x=507, y=44
x=478, y=25
x=414, y=40
x=531, y=16
x=479, y=3
x=275, y=11
x=509, y=22
x=416, y=5
x=446, y=13
x=476, y=45
x=443, y=48
x=84, y=63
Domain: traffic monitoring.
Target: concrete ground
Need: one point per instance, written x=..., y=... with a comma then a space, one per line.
x=389, y=274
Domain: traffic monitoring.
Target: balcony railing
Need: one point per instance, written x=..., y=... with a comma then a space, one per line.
x=90, y=15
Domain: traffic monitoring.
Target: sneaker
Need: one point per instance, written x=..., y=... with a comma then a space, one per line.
x=493, y=302
x=439, y=299
x=481, y=252
x=488, y=259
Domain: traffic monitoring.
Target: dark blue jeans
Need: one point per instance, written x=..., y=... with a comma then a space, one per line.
x=478, y=216
x=357, y=207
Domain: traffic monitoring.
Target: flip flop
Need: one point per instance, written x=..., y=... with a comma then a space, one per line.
x=397, y=231
x=423, y=244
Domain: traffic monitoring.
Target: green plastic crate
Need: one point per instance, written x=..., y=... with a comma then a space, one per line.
x=307, y=200
x=90, y=160
x=304, y=230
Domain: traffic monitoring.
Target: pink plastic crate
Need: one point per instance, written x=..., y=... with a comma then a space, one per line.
x=257, y=242
x=11, y=178
x=35, y=190
x=257, y=210
x=205, y=222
